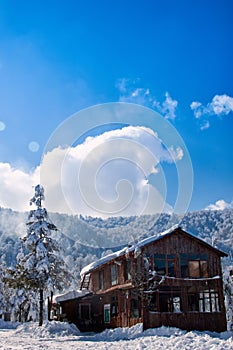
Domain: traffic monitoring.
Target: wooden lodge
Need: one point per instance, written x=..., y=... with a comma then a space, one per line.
x=173, y=279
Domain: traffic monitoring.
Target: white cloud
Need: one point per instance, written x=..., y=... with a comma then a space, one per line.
x=121, y=85
x=2, y=126
x=16, y=187
x=221, y=204
x=221, y=105
x=130, y=93
x=106, y=175
x=197, y=108
x=176, y=153
x=195, y=105
x=169, y=107
x=205, y=125
x=139, y=96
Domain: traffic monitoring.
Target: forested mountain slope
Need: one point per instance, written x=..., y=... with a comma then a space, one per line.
x=84, y=239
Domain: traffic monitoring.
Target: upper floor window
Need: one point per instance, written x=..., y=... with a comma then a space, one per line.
x=194, y=265
x=127, y=270
x=114, y=278
x=198, y=268
x=101, y=279
x=164, y=264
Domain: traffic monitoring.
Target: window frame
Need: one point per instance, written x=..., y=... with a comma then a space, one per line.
x=114, y=306
x=170, y=301
x=135, y=307
x=127, y=270
x=101, y=279
x=114, y=274
x=209, y=301
x=201, y=262
x=82, y=312
x=169, y=264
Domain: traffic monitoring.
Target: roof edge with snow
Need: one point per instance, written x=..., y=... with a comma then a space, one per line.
x=74, y=294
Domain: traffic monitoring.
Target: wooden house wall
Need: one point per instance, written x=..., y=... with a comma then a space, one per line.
x=121, y=317
x=190, y=321
x=71, y=311
x=180, y=244
x=94, y=282
x=96, y=322
x=125, y=290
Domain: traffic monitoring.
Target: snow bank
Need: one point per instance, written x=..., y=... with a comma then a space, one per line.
x=120, y=333
x=48, y=337
x=56, y=329
x=48, y=329
x=164, y=332
x=8, y=325
x=134, y=332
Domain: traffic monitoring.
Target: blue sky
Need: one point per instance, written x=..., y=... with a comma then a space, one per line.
x=58, y=57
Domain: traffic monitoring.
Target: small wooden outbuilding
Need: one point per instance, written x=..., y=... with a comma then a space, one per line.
x=172, y=279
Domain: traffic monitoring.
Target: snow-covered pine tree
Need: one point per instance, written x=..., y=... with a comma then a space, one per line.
x=228, y=288
x=5, y=291
x=40, y=265
x=2, y=294
x=21, y=296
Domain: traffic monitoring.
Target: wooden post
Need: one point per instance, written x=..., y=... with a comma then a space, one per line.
x=50, y=304
x=41, y=304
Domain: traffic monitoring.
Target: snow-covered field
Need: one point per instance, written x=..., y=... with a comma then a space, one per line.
x=63, y=336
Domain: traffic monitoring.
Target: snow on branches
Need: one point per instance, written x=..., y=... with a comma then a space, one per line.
x=40, y=266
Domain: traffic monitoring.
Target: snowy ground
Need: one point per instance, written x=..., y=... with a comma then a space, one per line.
x=62, y=336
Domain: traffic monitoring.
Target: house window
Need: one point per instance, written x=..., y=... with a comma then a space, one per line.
x=114, y=306
x=193, y=302
x=209, y=301
x=153, y=302
x=164, y=264
x=135, y=308
x=101, y=279
x=194, y=266
x=197, y=268
x=176, y=304
x=204, y=301
x=169, y=302
x=127, y=270
x=114, y=279
x=84, y=311
x=106, y=313
x=166, y=300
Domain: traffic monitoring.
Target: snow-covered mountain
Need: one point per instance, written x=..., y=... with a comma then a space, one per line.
x=84, y=239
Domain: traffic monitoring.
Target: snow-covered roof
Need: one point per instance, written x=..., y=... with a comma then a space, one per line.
x=71, y=295
x=87, y=269
x=103, y=260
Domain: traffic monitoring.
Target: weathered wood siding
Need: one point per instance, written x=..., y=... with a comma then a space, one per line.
x=179, y=244
x=188, y=321
x=123, y=294
x=94, y=281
